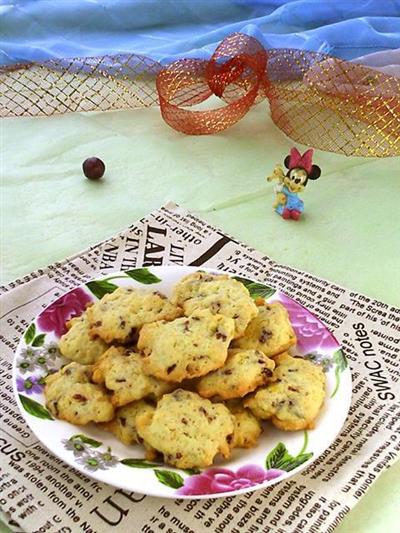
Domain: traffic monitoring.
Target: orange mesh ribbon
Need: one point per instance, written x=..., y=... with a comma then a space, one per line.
x=317, y=100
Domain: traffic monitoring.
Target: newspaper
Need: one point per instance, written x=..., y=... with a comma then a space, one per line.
x=36, y=487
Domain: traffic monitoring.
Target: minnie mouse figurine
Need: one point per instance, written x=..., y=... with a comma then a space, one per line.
x=300, y=170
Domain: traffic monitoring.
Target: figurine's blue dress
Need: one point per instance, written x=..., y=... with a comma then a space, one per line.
x=293, y=202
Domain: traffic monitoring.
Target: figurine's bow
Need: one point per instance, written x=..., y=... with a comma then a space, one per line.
x=301, y=161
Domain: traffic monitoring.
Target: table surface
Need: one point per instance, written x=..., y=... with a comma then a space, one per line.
x=349, y=233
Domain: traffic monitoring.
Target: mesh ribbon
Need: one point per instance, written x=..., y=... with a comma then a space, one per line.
x=316, y=99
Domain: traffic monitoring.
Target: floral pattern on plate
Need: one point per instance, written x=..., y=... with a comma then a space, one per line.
x=87, y=453
x=311, y=334
x=54, y=318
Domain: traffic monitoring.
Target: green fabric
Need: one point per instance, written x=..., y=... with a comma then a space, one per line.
x=349, y=234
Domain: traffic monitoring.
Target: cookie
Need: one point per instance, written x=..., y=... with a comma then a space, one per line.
x=295, y=397
x=121, y=370
x=118, y=316
x=270, y=332
x=77, y=345
x=124, y=424
x=186, y=347
x=72, y=397
x=189, y=286
x=72, y=373
x=243, y=372
x=188, y=430
x=247, y=427
x=218, y=293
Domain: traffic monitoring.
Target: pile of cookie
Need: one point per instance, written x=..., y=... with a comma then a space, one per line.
x=189, y=377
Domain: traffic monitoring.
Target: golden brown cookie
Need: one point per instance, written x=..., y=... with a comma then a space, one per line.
x=71, y=396
x=270, y=332
x=124, y=424
x=189, y=286
x=118, y=316
x=247, y=427
x=188, y=430
x=121, y=370
x=186, y=347
x=294, y=398
x=243, y=372
x=77, y=345
x=218, y=293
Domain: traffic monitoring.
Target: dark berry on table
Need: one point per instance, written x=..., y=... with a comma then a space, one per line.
x=93, y=168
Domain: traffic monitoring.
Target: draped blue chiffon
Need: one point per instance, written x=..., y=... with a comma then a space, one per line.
x=170, y=29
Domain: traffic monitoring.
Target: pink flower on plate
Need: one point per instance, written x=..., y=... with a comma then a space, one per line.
x=70, y=305
x=218, y=480
x=311, y=334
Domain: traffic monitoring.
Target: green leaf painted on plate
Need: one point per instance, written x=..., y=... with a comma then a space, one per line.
x=337, y=381
x=101, y=287
x=143, y=275
x=34, y=408
x=340, y=360
x=281, y=459
x=275, y=456
x=139, y=463
x=256, y=290
x=39, y=340
x=289, y=463
x=169, y=478
x=341, y=364
x=30, y=333
x=86, y=440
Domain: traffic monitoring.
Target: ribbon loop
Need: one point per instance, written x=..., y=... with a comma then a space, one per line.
x=224, y=75
x=235, y=73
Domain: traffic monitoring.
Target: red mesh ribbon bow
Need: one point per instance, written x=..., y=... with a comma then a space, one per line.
x=235, y=73
x=315, y=99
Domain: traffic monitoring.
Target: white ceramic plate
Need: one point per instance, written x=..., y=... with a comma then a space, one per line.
x=278, y=455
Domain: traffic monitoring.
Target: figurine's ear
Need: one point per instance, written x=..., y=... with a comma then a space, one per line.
x=315, y=173
x=287, y=160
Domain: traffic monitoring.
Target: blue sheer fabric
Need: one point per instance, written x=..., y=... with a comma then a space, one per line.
x=169, y=29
